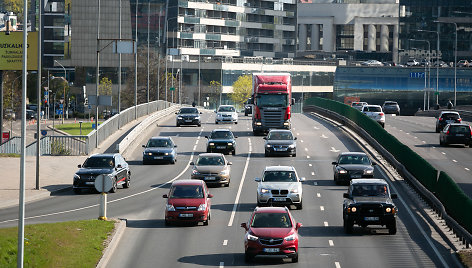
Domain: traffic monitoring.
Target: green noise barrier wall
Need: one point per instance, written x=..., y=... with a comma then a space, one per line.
x=456, y=202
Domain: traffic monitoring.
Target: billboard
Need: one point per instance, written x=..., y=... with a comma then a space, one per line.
x=11, y=51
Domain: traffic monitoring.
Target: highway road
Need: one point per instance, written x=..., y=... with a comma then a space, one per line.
x=147, y=242
x=419, y=134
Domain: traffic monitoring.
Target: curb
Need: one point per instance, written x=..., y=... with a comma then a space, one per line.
x=108, y=252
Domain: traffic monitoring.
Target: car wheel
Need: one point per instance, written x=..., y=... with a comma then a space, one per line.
x=300, y=206
x=178, y=125
x=227, y=184
x=216, y=122
x=199, y=125
x=294, y=155
x=173, y=161
x=127, y=182
x=77, y=191
x=348, y=226
x=383, y=125
x=295, y=259
x=437, y=130
x=266, y=154
x=166, y=223
x=115, y=186
x=145, y=162
x=259, y=204
x=392, y=228
x=235, y=123
x=248, y=257
x=233, y=152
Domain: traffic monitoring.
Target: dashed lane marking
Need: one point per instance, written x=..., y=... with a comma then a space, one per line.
x=321, y=208
x=331, y=243
x=318, y=195
x=307, y=156
x=310, y=165
x=225, y=242
x=306, y=149
x=454, y=160
x=467, y=169
x=222, y=264
x=326, y=224
x=315, y=183
x=443, y=153
x=236, y=201
x=337, y=265
x=313, y=174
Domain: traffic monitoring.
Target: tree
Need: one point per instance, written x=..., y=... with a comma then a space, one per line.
x=214, y=92
x=242, y=89
x=105, y=86
x=15, y=6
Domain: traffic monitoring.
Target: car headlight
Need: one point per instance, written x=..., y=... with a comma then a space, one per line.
x=202, y=207
x=197, y=117
x=170, y=207
x=195, y=172
x=291, y=146
x=342, y=171
x=230, y=144
x=179, y=117
x=351, y=209
x=76, y=177
x=258, y=124
x=148, y=153
x=369, y=171
x=390, y=210
x=166, y=153
x=294, y=190
x=264, y=191
x=291, y=237
x=224, y=172
x=268, y=145
x=211, y=144
x=285, y=123
x=251, y=237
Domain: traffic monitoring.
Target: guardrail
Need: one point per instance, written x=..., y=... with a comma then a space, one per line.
x=437, y=188
x=465, y=114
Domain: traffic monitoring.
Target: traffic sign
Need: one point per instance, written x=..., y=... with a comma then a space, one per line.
x=44, y=132
x=103, y=183
x=46, y=93
x=436, y=93
x=172, y=88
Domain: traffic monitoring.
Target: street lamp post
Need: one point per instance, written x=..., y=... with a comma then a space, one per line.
x=437, y=64
x=455, y=60
x=65, y=79
x=425, y=73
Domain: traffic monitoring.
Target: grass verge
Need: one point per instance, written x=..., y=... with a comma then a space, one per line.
x=74, y=128
x=466, y=257
x=63, y=244
x=10, y=155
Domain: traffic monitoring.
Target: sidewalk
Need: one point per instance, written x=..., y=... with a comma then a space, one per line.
x=55, y=172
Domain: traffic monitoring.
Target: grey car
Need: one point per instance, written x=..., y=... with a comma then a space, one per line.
x=212, y=168
x=352, y=165
x=280, y=142
x=280, y=185
x=391, y=107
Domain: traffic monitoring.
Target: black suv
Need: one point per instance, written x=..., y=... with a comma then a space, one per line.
x=447, y=117
x=97, y=164
x=369, y=202
x=188, y=116
x=221, y=141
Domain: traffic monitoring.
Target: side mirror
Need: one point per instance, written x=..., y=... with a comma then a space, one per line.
x=119, y=166
x=298, y=226
x=258, y=179
x=175, y=146
x=295, y=138
x=244, y=225
x=293, y=101
x=192, y=163
x=235, y=137
x=334, y=163
x=176, y=112
x=210, y=195
x=302, y=179
x=374, y=163
x=201, y=113
x=265, y=138
x=144, y=146
x=79, y=166
x=346, y=195
x=165, y=196
x=206, y=137
x=229, y=163
x=394, y=196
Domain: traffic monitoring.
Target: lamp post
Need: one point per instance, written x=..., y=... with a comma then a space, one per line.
x=167, y=52
x=437, y=63
x=65, y=79
x=425, y=73
x=455, y=60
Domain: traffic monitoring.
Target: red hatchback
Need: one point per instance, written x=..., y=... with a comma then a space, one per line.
x=188, y=201
x=271, y=232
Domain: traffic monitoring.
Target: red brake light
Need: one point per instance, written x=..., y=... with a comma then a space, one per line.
x=460, y=119
x=440, y=119
x=381, y=114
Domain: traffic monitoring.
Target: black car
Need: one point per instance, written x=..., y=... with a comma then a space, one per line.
x=188, y=116
x=280, y=142
x=221, y=141
x=159, y=149
x=247, y=109
x=97, y=164
x=391, y=107
x=369, y=202
x=447, y=117
x=456, y=134
x=352, y=165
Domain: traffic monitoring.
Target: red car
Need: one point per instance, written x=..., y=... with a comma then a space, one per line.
x=271, y=232
x=188, y=201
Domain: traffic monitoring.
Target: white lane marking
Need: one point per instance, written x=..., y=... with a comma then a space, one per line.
x=331, y=243
x=467, y=169
x=453, y=160
x=318, y=195
x=310, y=165
x=326, y=224
x=112, y=201
x=323, y=136
x=313, y=174
x=426, y=236
x=225, y=242
x=177, y=134
x=315, y=183
x=222, y=264
x=196, y=142
x=306, y=149
x=321, y=208
x=298, y=134
x=415, y=137
x=316, y=127
x=401, y=130
x=307, y=156
x=443, y=153
x=301, y=141
x=198, y=137
x=236, y=201
x=434, y=147
x=195, y=147
x=333, y=150
x=337, y=265
x=423, y=141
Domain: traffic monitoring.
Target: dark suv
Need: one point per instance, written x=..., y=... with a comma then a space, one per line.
x=221, y=141
x=369, y=202
x=188, y=116
x=97, y=164
x=447, y=117
x=456, y=134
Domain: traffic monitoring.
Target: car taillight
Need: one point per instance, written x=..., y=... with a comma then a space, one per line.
x=381, y=114
x=460, y=119
x=441, y=119
x=447, y=133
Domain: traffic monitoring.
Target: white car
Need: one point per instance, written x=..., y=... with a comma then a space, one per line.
x=279, y=185
x=226, y=114
x=358, y=105
x=375, y=113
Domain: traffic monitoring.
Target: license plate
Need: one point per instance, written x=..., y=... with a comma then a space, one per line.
x=355, y=176
x=220, y=147
x=210, y=178
x=279, y=199
x=371, y=218
x=186, y=215
x=459, y=135
x=271, y=250
x=280, y=149
x=89, y=183
x=158, y=157
x=188, y=121
x=449, y=121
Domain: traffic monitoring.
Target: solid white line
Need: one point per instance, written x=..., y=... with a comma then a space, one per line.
x=412, y=215
x=318, y=195
x=225, y=242
x=222, y=264
x=331, y=243
x=321, y=208
x=236, y=201
x=453, y=160
x=337, y=265
x=326, y=224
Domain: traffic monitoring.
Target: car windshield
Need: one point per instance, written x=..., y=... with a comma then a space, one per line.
x=279, y=176
x=277, y=135
x=188, y=111
x=266, y=100
x=159, y=143
x=186, y=191
x=354, y=159
x=271, y=220
x=450, y=116
x=226, y=109
x=459, y=129
x=210, y=161
x=99, y=162
x=221, y=135
x=369, y=190
x=390, y=103
x=372, y=109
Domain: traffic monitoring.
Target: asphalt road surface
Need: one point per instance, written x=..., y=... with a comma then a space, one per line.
x=147, y=242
